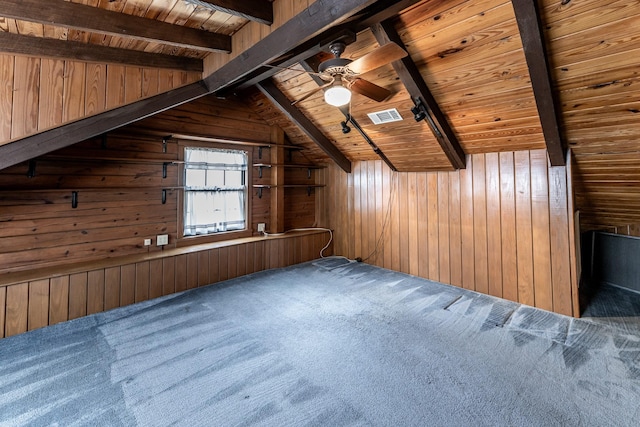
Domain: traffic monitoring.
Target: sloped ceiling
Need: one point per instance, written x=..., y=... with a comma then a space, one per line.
x=470, y=54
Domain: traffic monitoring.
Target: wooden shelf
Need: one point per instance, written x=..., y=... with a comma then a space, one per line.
x=110, y=159
x=309, y=187
x=309, y=168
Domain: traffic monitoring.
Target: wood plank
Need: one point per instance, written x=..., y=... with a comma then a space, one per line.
x=480, y=224
x=77, y=295
x=214, y=265
x=6, y=98
x=559, y=222
x=423, y=225
x=433, y=237
x=3, y=304
x=74, y=91
x=524, y=244
x=455, y=247
x=25, y=97
x=259, y=11
x=444, y=222
x=403, y=219
x=540, y=231
x=95, y=291
x=155, y=278
x=203, y=268
x=242, y=260
x=412, y=217
x=142, y=281
x=494, y=231
x=466, y=225
x=127, y=284
x=111, y=288
x=364, y=210
x=96, y=89
x=181, y=273
x=192, y=270
x=357, y=211
x=51, y=91
x=116, y=83
x=16, y=309
x=133, y=84
x=58, y=299
x=93, y=19
x=224, y=261
x=168, y=275
x=232, y=264
x=38, y=311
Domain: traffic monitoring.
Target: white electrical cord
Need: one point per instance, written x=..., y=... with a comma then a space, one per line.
x=264, y=233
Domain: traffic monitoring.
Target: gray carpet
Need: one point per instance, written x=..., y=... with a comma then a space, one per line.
x=323, y=343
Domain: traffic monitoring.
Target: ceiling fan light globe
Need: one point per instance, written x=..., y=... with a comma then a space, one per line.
x=337, y=96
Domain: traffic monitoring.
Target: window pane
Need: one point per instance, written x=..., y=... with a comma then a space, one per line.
x=218, y=199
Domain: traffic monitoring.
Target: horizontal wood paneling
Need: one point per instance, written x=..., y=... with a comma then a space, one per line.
x=42, y=302
x=499, y=227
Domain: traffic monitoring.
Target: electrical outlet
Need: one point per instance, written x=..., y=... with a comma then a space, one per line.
x=147, y=242
x=162, y=239
x=261, y=227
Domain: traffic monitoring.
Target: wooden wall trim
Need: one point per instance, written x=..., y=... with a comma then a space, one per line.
x=11, y=278
x=46, y=300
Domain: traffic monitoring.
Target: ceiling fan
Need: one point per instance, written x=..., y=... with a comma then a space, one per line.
x=341, y=74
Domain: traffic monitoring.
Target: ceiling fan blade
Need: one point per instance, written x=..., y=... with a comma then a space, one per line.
x=370, y=90
x=385, y=54
x=311, y=93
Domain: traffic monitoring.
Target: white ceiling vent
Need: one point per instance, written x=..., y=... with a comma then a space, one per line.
x=385, y=116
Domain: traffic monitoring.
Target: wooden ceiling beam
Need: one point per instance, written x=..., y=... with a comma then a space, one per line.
x=413, y=81
x=254, y=10
x=313, y=21
x=61, y=49
x=374, y=13
x=87, y=18
x=275, y=95
x=69, y=134
x=530, y=27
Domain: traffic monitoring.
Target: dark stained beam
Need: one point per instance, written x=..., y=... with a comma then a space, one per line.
x=86, y=18
x=54, y=48
x=529, y=24
x=421, y=95
x=313, y=21
x=254, y=10
x=269, y=89
x=69, y=134
x=377, y=12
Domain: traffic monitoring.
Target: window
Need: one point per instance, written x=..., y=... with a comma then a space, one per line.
x=215, y=194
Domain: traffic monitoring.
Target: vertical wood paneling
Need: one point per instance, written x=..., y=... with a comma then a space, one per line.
x=155, y=278
x=232, y=265
x=443, y=228
x=77, y=295
x=480, y=224
x=133, y=84
x=74, y=91
x=59, y=299
x=115, y=86
x=412, y=216
x=192, y=270
x=508, y=227
x=466, y=224
x=540, y=231
x=364, y=209
x=16, y=309
x=25, y=96
x=38, y=313
x=357, y=211
x=524, y=244
x=214, y=266
x=3, y=305
x=7, y=65
x=494, y=229
x=389, y=194
x=150, y=82
x=111, y=288
x=432, y=226
x=95, y=291
x=560, y=244
x=96, y=89
x=224, y=262
x=455, y=239
x=488, y=227
x=242, y=260
x=127, y=284
x=181, y=273
x=142, y=281
x=168, y=275
x=51, y=90
x=379, y=191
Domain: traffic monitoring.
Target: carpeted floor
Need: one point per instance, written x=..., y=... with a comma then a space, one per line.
x=331, y=343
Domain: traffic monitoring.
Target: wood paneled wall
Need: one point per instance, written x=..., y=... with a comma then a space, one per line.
x=500, y=227
x=38, y=94
x=119, y=182
x=46, y=301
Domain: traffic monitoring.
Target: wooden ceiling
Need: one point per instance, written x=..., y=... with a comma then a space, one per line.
x=477, y=60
